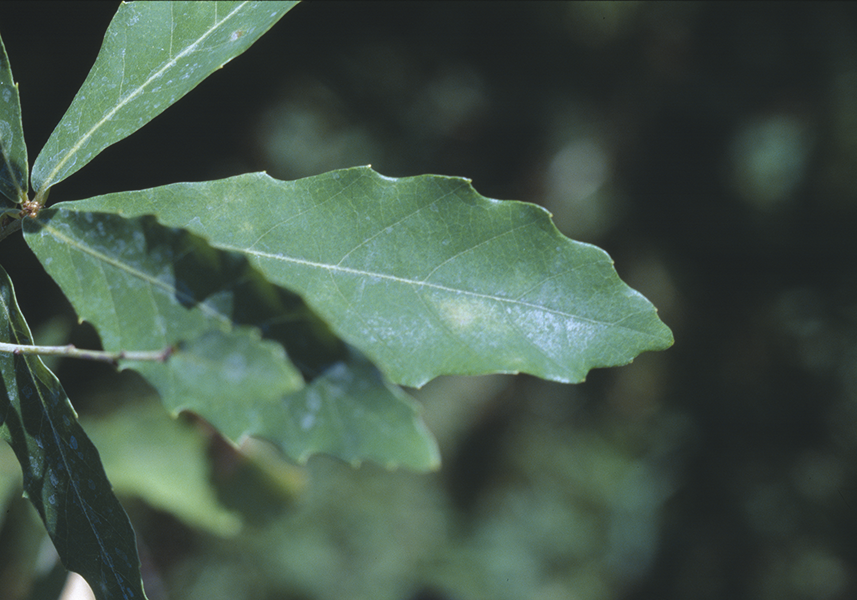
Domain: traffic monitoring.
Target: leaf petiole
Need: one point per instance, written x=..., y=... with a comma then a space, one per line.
x=70, y=351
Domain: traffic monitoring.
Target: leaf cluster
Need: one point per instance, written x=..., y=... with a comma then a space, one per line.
x=288, y=311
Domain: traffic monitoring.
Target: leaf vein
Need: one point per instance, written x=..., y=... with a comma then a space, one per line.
x=417, y=283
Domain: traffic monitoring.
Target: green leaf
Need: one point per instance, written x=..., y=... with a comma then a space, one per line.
x=350, y=412
x=63, y=476
x=139, y=445
x=153, y=54
x=422, y=274
x=146, y=286
x=13, y=151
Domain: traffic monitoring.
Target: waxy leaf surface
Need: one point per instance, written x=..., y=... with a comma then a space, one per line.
x=153, y=54
x=422, y=274
x=145, y=286
x=63, y=475
x=13, y=151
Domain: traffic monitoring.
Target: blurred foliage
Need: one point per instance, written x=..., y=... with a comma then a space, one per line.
x=709, y=147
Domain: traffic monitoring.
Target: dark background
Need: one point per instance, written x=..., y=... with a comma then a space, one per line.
x=710, y=148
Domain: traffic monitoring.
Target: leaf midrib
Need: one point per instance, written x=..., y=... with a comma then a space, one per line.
x=257, y=254
x=419, y=283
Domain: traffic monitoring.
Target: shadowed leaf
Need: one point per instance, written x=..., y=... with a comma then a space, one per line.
x=351, y=413
x=13, y=151
x=63, y=476
x=146, y=286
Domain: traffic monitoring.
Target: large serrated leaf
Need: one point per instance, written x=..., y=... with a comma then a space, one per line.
x=146, y=286
x=422, y=274
x=63, y=476
x=153, y=54
x=13, y=151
